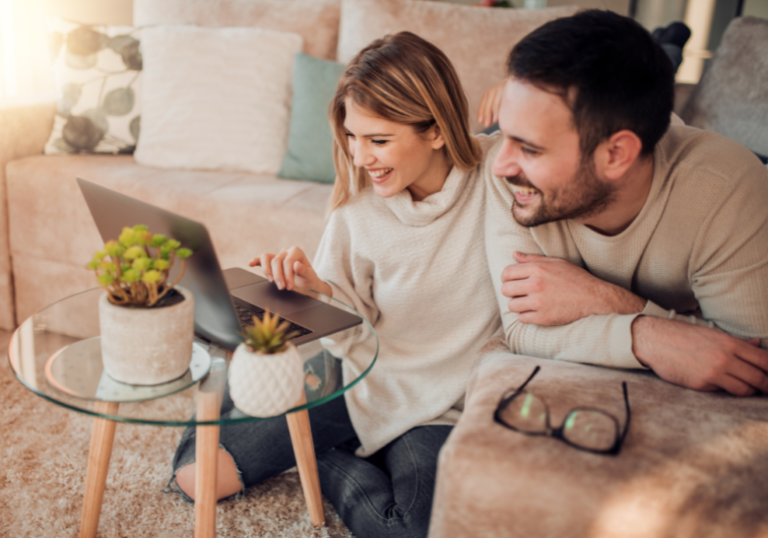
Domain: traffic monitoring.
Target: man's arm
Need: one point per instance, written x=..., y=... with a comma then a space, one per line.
x=547, y=292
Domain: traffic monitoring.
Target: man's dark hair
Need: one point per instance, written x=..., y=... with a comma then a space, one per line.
x=607, y=69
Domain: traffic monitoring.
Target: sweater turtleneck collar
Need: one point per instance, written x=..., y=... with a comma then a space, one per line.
x=432, y=207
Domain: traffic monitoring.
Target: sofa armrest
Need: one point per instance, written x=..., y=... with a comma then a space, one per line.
x=24, y=130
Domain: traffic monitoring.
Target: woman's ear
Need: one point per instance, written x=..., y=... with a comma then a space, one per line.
x=435, y=136
x=615, y=156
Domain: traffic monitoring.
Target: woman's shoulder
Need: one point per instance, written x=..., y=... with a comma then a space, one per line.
x=358, y=205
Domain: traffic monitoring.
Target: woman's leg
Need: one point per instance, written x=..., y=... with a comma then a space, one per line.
x=251, y=452
x=389, y=494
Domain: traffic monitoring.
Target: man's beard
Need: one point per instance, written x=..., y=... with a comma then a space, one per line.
x=582, y=196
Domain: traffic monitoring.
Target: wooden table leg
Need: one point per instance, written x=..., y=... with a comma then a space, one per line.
x=304, y=449
x=102, y=436
x=206, y=449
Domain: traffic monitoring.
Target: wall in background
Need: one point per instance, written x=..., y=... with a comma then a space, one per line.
x=756, y=8
x=116, y=12
x=654, y=13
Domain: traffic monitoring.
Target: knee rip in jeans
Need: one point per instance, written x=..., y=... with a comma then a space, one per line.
x=173, y=487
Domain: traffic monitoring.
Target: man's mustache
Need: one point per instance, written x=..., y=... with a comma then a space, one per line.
x=520, y=181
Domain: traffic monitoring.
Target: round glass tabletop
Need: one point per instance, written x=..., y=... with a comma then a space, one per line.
x=57, y=355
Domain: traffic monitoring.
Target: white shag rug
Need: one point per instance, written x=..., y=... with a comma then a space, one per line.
x=43, y=460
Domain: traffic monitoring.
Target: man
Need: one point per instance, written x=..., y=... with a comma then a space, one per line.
x=614, y=238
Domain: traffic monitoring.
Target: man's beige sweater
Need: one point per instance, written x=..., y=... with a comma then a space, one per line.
x=698, y=247
x=418, y=272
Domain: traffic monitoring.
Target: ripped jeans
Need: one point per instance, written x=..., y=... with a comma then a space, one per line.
x=386, y=495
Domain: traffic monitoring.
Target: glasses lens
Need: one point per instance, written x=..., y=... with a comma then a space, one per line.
x=526, y=413
x=590, y=429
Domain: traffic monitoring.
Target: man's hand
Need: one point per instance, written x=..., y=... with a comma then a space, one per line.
x=552, y=291
x=700, y=358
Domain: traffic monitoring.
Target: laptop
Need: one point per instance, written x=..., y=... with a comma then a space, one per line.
x=225, y=301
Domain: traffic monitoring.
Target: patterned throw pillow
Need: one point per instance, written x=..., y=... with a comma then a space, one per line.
x=97, y=70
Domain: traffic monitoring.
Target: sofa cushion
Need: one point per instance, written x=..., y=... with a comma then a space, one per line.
x=317, y=21
x=732, y=96
x=98, y=79
x=477, y=40
x=693, y=463
x=216, y=98
x=246, y=214
x=310, y=140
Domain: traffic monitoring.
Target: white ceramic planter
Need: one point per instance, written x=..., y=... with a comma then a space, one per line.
x=147, y=346
x=265, y=385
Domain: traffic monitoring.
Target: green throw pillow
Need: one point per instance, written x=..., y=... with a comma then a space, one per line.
x=310, y=142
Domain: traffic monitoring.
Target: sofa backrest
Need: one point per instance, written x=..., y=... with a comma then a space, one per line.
x=317, y=21
x=477, y=40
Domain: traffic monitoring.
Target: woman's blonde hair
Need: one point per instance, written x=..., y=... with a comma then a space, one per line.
x=404, y=79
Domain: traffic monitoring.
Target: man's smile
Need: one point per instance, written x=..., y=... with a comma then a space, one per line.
x=522, y=189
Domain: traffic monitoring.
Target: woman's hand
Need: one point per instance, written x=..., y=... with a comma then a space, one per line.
x=289, y=269
x=488, y=111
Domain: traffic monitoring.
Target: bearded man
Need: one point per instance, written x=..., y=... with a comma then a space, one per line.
x=613, y=237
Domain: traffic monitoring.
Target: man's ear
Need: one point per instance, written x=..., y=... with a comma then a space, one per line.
x=436, y=137
x=613, y=157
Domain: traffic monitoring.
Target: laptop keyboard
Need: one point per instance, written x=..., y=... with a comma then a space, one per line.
x=245, y=313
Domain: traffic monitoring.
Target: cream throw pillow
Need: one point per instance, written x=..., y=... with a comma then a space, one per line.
x=216, y=98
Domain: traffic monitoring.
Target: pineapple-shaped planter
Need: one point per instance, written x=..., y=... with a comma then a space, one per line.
x=266, y=376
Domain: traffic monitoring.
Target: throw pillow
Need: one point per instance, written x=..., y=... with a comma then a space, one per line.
x=310, y=140
x=216, y=98
x=476, y=39
x=97, y=70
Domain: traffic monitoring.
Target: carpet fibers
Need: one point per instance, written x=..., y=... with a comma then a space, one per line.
x=43, y=460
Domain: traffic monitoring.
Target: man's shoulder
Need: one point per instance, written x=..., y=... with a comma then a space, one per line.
x=708, y=179
x=699, y=159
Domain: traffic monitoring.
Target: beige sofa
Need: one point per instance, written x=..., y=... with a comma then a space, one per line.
x=46, y=232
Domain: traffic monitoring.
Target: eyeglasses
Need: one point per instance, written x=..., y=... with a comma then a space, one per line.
x=585, y=428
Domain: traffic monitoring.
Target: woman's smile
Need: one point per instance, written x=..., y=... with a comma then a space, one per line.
x=379, y=175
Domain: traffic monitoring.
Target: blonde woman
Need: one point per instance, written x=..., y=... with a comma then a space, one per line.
x=404, y=246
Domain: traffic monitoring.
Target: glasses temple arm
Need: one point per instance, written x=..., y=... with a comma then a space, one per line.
x=629, y=413
x=533, y=374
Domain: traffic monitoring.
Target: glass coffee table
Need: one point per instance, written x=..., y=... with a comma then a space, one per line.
x=57, y=355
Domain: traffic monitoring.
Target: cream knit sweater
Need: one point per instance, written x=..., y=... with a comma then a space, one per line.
x=699, y=246
x=418, y=272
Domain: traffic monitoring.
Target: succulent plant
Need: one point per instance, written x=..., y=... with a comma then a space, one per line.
x=268, y=336
x=134, y=269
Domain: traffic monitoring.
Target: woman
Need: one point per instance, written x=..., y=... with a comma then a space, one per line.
x=404, y=246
